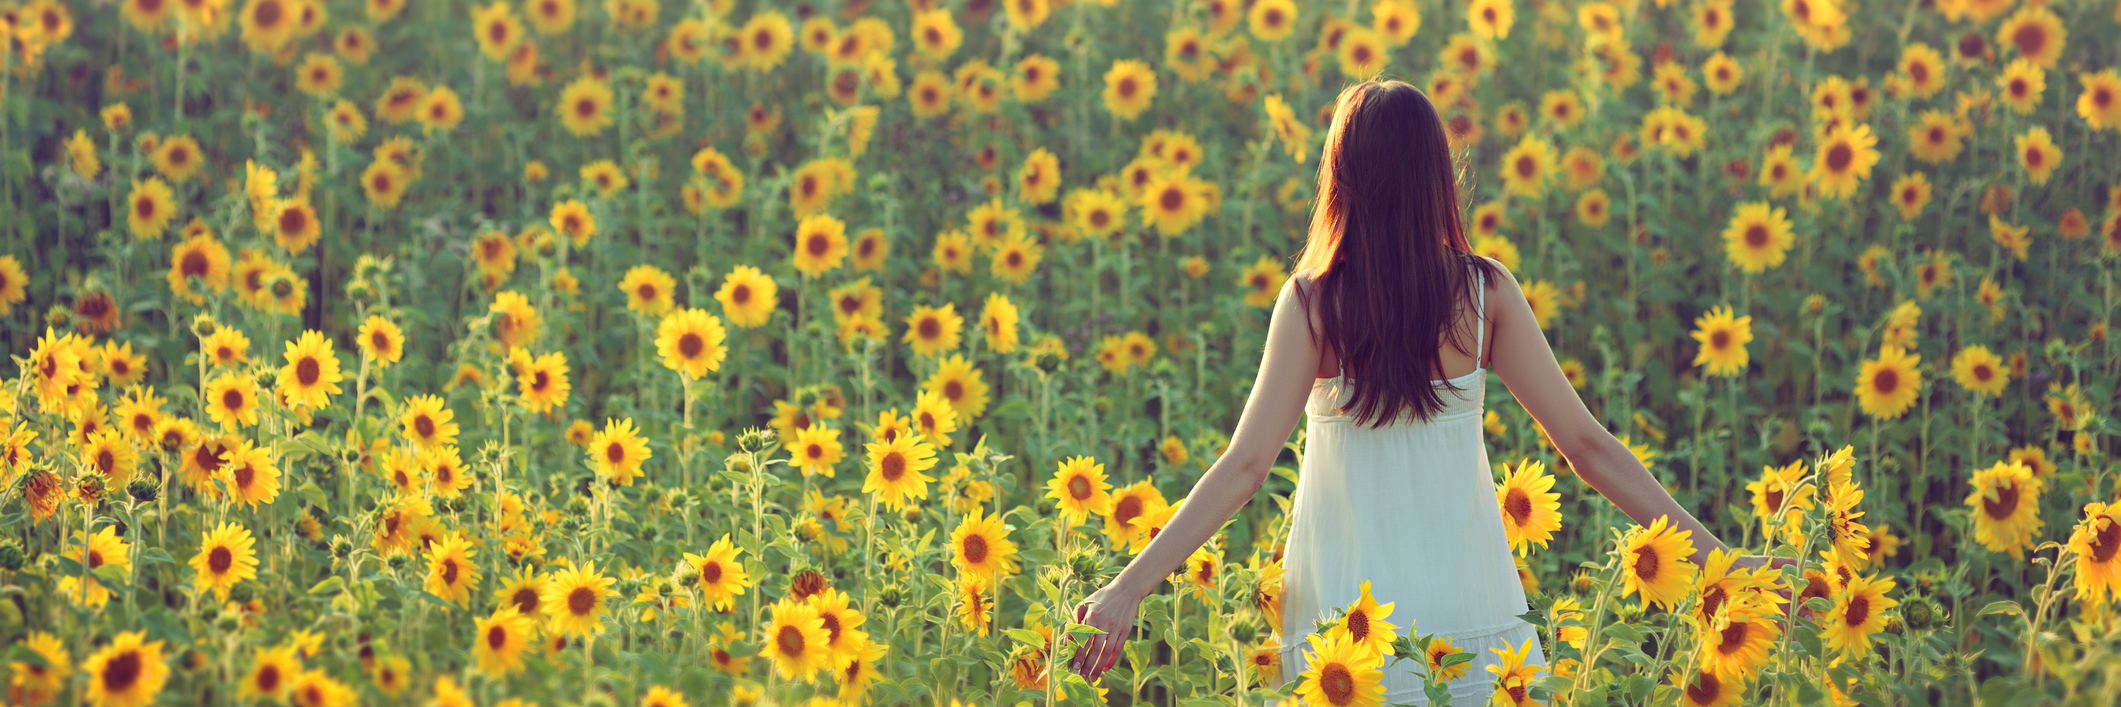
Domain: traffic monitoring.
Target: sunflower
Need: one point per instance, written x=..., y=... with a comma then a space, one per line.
x=499, y=640
x=796, y=640
x=151, y=207
x=2038, y=154
x=2016, y=239
x=428, y=422
x=1702, y=688
x=1129, y=87
x=381, y=341
x=2095, y=542
x=1341, y=672
x=953, y=252
x=2021, y=84
x=648, y=290
x=232, y=400
x=895, y=467
x=445, y=471
x=2036, y=33
x=721, y=577
x=1723, y=338
x=1859, y=610
x=1980, y=371
x=980, y=547
x=1888, y=385
x=585, y=106
x=225, y=558
x=820, y=244
x=932, y=417
x=2100, y=103
x=1845, y=159
x=93, y=552
x=748, y=297
x=1531, y=511
x=571, y=218
x=312, y=371
x=617, y=452
x=963, y=385
x=816, y=449
x=248, y=472
x=1736, y=641
x=936, y=35
x=1658, y=563
x=1079, y=488
x=521, y=591
x=1129, y=507
x=1526, y=167
x=929, y=95
x=2006, y=506
x=690, y=342
x=575, y=599
x=1173, y=202
x=384, y=183
x=39, y=684
x=451, y=574
x=129, y=672
x=14, y=281
x=496, y=29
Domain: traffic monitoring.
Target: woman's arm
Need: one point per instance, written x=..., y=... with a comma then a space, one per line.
x=1521, y=356
x=1277, y=401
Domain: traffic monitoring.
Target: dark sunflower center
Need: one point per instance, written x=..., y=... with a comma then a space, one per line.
x=219, y=559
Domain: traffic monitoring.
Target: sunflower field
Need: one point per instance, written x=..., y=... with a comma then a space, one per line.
x=828, y=352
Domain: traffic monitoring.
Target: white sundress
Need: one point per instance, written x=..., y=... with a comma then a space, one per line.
x=1409, y=507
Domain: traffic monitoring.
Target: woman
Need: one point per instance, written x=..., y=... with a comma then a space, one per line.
x=1383, y=337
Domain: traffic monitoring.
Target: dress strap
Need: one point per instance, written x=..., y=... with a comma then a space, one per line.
x=1480, y=326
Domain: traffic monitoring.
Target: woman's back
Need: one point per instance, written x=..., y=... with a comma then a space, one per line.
x=1408, y=507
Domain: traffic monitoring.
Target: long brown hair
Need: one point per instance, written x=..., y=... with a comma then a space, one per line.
x=1387, y=251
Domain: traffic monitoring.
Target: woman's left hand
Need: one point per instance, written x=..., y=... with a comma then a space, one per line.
x=1112, y=610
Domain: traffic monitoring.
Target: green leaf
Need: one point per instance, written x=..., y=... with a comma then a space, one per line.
x=311, y=494
x=1624, y=632
x=330, y=585
x=1026, y=636
x=2004, y=606
x=1080, y=629
x=21, y=653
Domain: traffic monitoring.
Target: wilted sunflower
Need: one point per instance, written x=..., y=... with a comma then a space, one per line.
x=312, y=371
x=1531, y=511
x=1341, y=672
x=226, y=556
x=1723, y=338
x=575, y=600
x=617, y=452
x=1888, y=385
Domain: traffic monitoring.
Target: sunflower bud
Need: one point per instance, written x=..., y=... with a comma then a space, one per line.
x=11, y=556
x=142, y=490
x=204, y=325
x=1245, y=629
x=227, y=622
x=1085, y=567
x=360, y=291
x=242, y=593
x=59, y=317
x=397, y=562
x=891, y=597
